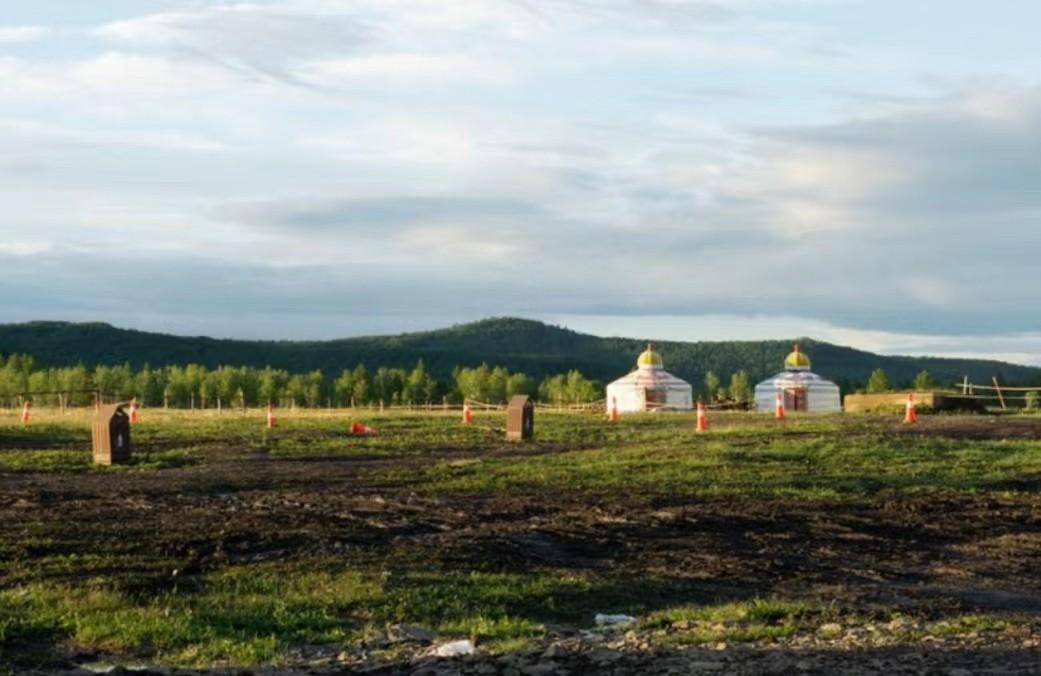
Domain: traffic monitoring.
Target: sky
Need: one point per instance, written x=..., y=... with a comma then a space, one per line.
x=861, y=171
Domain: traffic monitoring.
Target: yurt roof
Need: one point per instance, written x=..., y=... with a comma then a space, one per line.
x=648, y=378
x=649, y=373
x=796, y=379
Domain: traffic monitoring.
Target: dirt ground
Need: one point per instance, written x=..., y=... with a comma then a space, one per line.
x=928, y=554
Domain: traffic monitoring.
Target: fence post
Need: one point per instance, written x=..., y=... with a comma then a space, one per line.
x=1000, y=397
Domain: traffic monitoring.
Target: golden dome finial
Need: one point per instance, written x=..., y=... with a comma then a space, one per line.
x=649, y=358
x=797, y=361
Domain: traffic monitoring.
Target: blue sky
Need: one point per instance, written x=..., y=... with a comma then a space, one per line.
x=867, y=172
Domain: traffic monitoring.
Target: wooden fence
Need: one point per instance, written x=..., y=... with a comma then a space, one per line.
x=1002, y=394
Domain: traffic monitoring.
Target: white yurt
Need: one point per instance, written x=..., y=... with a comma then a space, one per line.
x=803, y=390
x=649, y=388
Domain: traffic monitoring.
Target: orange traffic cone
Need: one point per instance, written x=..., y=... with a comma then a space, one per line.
x=612, y=413
x=779, y=407
x=133, y=411
x=25, y=412
x=702, y=418
x=910, y=416
x=270, y=416
x=468, y=416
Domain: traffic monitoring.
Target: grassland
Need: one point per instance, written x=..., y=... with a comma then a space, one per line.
x=221, y=544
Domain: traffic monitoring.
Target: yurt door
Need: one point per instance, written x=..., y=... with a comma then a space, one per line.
x=795, y=399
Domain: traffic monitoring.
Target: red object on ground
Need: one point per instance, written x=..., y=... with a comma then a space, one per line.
x=779, y=408
x=133, y=411
x=270, y=416
x=25, y=413
x=468, y=416
x=910, y=416
x=702, y=418
x=362, y=430
x=612, y=413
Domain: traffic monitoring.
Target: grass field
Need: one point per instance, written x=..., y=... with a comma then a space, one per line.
x=221, y=545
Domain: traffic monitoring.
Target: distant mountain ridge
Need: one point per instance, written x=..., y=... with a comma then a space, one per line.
x=530, y=346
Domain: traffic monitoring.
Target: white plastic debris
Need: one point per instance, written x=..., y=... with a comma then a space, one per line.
x=455, y=649
x=605, y=620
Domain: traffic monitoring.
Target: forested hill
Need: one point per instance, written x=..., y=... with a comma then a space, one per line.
x=518, y=344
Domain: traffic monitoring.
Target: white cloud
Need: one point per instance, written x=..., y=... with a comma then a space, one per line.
x=414, y=69
x=23, y=33
x=25, y=248
x=413, y=135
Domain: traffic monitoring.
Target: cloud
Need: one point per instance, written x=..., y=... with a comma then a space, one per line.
x=23, y=33
x=415, y=69
x=574, y=157
x=244, y=31
x=667, y=12
x=367, y=215
x=259, y=41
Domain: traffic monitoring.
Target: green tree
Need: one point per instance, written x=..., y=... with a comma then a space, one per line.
x=194, y=374
x=314, y=388
x=42, y=381
x=178, y=387
x=553, y=389
x=362, y=387
x=148, y=385
x=343, y=388
x=209, y=388
x=740, y=389
x=474, y=383
x=113, y=381
x=271, y=384
x=581, y=389
x=878, y=382
x=419, y=386
x=229, y=384
x=711, y=385
x=295, y=392
x=570, y=388
x=383, y=385
x=75, y=381
x=519, y=383
x=923, y=381
x=497, y=380
x=249, y=387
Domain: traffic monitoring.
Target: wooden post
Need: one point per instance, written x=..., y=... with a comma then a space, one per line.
x=965, y=385
x=1000, y=397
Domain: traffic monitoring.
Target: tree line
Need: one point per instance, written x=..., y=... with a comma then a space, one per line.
x=196, y=386
x=740, y=386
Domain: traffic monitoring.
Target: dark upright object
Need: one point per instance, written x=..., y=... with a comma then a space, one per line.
x=111, y=435
x=520, y=418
